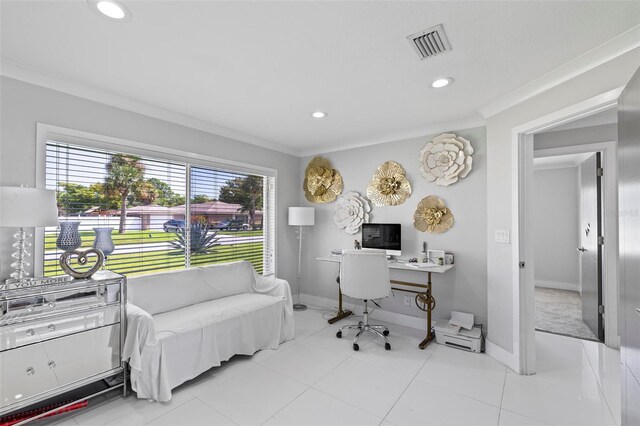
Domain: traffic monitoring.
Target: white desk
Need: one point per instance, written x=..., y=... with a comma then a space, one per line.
x=424, y=297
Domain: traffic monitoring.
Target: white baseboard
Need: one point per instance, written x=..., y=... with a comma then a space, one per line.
x=378, y=314
x=501, y=355
x=558, y=285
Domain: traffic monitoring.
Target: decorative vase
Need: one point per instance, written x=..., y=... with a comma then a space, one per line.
x=69, y=237
x=103, y=241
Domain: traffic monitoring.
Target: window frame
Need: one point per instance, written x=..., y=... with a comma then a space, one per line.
x=45, y=132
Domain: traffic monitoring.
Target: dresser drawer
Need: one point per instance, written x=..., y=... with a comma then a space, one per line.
x=19, y=309
x=83, y=355
x=33, y=370
x=25, y=373
x=21, y=334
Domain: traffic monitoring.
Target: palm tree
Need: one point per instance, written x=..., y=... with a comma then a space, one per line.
x=125, y=174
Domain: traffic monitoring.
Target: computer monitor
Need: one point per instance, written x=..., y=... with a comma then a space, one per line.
x=382, y=236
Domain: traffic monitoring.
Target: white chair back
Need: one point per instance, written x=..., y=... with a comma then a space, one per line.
x=364, y=274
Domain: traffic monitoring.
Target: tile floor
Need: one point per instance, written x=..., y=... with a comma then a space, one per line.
x=319, y=379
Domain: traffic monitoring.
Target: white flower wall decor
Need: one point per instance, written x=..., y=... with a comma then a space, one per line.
x=351, y=211
x=446, y=159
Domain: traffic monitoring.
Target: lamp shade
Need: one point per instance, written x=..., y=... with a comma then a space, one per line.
x=301, y=216
x=27, y=207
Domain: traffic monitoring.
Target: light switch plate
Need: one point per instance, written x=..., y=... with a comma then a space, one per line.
x=502, y=236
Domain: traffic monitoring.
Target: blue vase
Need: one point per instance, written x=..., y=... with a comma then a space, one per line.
x=69, y=236
x=103, y=241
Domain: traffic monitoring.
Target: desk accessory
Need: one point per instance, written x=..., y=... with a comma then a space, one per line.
x=448, y=258
x=300, y=216
x=436, y=256
x=23, y=207
x=446, y=158
x=322, y=183
x=389, y=185
x=432, y=215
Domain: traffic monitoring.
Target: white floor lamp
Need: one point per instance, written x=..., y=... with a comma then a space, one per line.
x=300, y=216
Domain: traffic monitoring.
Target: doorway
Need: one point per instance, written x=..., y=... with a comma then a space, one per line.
x=567, y=230
x=523, y=271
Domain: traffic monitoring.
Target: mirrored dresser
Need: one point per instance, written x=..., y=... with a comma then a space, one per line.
x=57, y=336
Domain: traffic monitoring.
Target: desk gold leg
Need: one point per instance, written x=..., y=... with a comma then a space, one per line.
x=342, y=313
x=430, y=304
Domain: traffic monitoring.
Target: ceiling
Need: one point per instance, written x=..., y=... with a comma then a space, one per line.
x=261, y=68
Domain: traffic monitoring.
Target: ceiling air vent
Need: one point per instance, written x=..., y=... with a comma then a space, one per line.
x=430, y=42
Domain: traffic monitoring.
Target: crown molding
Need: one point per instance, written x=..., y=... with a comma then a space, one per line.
x=36, y=77
x=465, y=123
x=604, y=53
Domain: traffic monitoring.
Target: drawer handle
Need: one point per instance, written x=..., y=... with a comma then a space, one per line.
x=52, y=364
x=52, y=327
x=30, y=371
x=30, y=332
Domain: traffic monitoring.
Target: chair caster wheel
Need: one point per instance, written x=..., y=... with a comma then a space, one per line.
x=356, y=347
x=360, y=324
x=339, y=334
x=385, y=333
x=387, y=346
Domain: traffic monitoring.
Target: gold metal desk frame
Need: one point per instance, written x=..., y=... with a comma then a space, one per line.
x=426, y=296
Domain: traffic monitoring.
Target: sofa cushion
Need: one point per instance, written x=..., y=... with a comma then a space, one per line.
x=193, y=339
x=201, y=315
x=227, y=279
x=168, y=291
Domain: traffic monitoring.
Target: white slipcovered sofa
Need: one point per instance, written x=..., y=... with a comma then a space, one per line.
x=182, y=323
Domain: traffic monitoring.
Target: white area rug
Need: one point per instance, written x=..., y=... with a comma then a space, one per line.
x=560, y=312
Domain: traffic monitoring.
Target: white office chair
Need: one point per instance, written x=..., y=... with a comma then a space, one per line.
x=364, y=275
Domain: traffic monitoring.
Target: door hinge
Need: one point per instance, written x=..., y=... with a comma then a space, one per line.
x=599, y=171
x=521, y=265
x=601, y=240
x=601, y=309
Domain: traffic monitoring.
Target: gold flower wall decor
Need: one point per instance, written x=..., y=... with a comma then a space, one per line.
x=432, y=215
x=389, y=186
x=322, y=184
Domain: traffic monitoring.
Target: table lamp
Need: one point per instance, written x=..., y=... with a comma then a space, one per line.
x=300, y=216
x=23, y=207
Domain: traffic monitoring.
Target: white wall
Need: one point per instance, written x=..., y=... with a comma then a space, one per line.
x=464, y=288
x=556, y=210
x=500, y=143
x=22, y=105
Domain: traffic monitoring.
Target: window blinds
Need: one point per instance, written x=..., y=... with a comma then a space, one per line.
x=176, y=214
x=233, y=203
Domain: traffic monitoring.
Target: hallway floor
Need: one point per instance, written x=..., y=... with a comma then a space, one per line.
x=560, y=312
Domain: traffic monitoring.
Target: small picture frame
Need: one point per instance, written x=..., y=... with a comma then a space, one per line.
x=436, y=256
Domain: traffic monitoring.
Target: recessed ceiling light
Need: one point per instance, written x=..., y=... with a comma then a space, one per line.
x=442, y=82
x=319, y=114
x=110, y=8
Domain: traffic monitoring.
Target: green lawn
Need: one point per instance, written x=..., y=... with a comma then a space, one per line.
x=162, y=259
x=138, y=237
x=166, y=260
